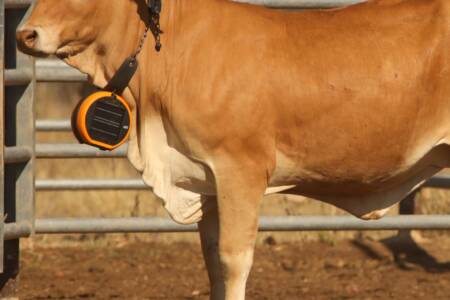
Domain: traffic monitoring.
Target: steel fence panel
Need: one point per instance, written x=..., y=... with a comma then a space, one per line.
x=14, y=231
x=279, y=224
x=53, y=125
x=53, y=70
x=90, y=184
x=77, y=151
x=2, y=131
x=15, y=155
x=439, y=181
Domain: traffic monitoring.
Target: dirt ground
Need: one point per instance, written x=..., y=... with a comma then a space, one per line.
x=361, y=269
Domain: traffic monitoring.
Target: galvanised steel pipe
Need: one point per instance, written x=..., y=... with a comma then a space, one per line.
x=43, y=74
x=321, y=223
x=15, y=155
x=52, y=70
x=53, y=125
x=90, y=184
x=289, y=223
x=440, y=181
x=272, y=3
x=65, y=74
x=18, y=77
x=109, y=225
x=13, y=231
x=76, y=151
x=17, y=3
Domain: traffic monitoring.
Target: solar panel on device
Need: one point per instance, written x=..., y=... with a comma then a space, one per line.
x=109, y=122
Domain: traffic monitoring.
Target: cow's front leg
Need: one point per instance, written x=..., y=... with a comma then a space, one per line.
x=209, y=235
x=229, y=230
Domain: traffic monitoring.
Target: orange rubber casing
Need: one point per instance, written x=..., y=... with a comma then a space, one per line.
x=81, y=119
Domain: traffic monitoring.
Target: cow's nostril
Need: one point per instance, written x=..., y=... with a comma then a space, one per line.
x=31, y=36
x=27, y=37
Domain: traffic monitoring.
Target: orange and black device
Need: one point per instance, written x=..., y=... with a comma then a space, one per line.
x=104, y=118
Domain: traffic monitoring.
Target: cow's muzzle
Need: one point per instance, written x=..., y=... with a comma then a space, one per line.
x=27, y=40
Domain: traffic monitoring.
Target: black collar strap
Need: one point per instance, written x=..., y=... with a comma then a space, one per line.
x=123, y=76
x=125, y=73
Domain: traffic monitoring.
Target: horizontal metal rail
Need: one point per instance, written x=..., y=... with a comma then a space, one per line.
x=53, y=70
x=13, y=231
x=44, y=73
x=290, y=223
x=15, y=155
x=440, y=181
x=76, y=151
x=18, y=77
x=90, y=184
x=17, y=3
x=53, y=125
x=272, y=3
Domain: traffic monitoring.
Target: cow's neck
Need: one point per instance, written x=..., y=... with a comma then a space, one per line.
x=112, y=45
x=120, y=40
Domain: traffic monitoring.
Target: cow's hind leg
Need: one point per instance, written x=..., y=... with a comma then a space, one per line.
x=229, y=230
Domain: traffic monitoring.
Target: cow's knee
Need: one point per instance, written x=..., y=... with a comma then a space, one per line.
x=236, y=268
x=228, y=256
x=236, y=258
x=238, y=213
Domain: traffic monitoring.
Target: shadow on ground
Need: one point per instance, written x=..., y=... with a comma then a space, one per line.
x=405, y=252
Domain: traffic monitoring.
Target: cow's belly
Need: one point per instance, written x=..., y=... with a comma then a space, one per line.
x=331, y=179
x=370, y=160
x=337, y=179
x=367, y=199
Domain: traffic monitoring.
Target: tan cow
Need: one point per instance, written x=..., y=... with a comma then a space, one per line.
x=349, y=106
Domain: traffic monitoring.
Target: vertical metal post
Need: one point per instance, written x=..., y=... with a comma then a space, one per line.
x=2, y=137
x=407, y=207
x=24, y=123
x=18, y=131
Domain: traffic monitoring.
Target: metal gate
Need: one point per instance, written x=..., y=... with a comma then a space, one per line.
x=17, y=185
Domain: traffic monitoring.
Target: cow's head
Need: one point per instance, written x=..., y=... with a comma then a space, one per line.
x=65, y=28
